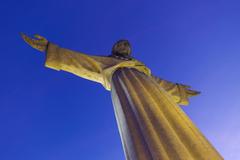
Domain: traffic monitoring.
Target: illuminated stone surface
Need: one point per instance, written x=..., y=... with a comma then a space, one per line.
x=151, y=124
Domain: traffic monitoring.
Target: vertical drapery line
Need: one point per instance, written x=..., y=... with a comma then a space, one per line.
x=188, y=139
x=129, y=129
x=173, y=145
x=184, y=128
x=143, y=119
x=152, y=126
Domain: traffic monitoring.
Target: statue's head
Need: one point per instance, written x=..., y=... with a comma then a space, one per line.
x=122, y=48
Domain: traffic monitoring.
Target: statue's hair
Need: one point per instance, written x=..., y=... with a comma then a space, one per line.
x=119, y=41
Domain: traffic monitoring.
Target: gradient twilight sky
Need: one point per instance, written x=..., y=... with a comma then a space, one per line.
x=50, y=115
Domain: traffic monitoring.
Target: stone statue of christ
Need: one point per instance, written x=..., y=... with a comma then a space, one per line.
x=151, y=124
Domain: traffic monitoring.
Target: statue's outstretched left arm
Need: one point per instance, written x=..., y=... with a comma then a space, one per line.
x=58, y=58
x=179, y=92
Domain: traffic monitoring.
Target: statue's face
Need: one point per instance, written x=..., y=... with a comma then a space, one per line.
x=122, y=47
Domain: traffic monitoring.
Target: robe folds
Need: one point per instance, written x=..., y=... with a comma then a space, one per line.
x=151, y=124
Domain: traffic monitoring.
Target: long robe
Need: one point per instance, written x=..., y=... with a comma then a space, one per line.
x=151, y=124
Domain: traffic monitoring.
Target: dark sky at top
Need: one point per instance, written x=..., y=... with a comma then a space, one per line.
x=50, y=115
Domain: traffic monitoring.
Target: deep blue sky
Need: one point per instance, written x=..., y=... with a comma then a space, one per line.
x=50, y=115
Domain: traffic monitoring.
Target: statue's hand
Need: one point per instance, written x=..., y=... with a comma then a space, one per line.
x=190, y=92
x=40, y=43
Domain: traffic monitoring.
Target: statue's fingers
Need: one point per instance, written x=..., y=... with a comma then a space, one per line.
x=192, y=93
x=24, y=37
x=32, y=42
x=184, y=85
x=27, y=39
x=39, y=37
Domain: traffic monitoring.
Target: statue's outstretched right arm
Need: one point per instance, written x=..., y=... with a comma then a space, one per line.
x=58, y=58
x=179, y=92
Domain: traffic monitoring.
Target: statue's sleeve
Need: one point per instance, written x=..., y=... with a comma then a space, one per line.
x=80, y=64
x=179, y=92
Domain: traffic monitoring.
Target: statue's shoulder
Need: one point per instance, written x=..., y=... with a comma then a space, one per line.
x=108, y=61
x=138, y=62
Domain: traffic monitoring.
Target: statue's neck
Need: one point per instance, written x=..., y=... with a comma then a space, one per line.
x=121, y=56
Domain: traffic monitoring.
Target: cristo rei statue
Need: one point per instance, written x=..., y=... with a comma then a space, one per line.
x=151, y=124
